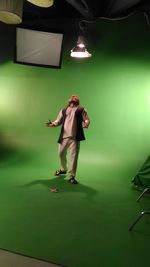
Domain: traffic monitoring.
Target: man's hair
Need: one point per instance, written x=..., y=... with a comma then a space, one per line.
x=74, y=99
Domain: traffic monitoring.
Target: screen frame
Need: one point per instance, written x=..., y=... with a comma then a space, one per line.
x=40, y=29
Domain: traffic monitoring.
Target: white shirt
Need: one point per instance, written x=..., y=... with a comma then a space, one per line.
x=70, y=125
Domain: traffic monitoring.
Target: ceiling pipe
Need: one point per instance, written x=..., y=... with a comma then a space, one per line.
x=82, y=8
x=116, y=7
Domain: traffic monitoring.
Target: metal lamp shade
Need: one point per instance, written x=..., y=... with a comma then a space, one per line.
x=42, y=3
x=11, y=11
x=80, y=51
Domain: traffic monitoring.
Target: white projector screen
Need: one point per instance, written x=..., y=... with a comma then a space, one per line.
x=39, y=48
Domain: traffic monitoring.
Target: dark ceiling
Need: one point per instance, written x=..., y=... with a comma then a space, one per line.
x=87, y=9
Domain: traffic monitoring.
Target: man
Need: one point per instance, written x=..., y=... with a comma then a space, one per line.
x=73, y=119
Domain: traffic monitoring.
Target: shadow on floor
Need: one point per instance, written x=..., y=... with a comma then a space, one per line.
x=64, y=186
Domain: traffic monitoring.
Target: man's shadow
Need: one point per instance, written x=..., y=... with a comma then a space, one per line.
x=64, y=186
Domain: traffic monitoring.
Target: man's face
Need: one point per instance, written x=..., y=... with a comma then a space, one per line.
x=73, y=100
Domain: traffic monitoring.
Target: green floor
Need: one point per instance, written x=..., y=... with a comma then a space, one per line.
x=82, y=225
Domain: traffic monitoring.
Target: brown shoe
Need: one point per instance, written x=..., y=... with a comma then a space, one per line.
x=72, y=180
x=59, y=172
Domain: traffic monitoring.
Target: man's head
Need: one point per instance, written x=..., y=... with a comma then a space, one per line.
x=74, y=100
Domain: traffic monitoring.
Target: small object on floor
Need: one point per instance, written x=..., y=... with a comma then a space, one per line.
x=54, y=190
x=59, y=172
x=72, y=180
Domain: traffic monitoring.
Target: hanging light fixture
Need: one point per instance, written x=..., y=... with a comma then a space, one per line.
x=80, y=51
x=11, y=11
x=42, y=3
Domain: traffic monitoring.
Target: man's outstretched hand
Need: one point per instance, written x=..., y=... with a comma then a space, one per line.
x=49, y=123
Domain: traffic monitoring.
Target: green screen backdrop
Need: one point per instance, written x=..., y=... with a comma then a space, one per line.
x=114, y=86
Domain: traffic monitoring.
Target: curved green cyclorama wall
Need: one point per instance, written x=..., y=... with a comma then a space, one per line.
x=114, y=86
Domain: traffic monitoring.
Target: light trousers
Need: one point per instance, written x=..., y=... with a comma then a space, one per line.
x=74, y=147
